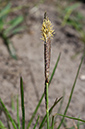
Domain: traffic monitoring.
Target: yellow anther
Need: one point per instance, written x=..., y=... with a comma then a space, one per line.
x=47, y=29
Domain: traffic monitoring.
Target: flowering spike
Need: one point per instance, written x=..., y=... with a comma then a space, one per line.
x=47, y=33
x=47, y=29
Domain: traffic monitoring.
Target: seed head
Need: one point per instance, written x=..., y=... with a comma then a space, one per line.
x=47, y=29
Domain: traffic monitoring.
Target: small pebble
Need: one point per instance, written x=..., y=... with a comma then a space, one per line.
x=82, y=77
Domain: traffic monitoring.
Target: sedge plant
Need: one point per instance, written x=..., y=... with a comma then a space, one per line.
x=47, y=33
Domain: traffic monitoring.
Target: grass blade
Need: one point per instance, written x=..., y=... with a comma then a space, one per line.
x=34, y=113
x=18, y=120
x=8, y=124
x=71, y=117
x=11, y=49
x=72, y=7
x=43, y=93
x=9, y=46
x=8, y=114
x=1, y=25
x=2, y=126
x=12, y=103
x=36, y=123
x=15, y=31
x=53, y=72
x=5, y=10
x=52, y=122
x=22, y=103
x=78, y=125
x=47, y=107
x=61, y=104
x=71, y=91
x=44, y=119
x=16, y=22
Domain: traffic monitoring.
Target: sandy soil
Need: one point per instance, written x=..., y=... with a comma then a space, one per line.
x=30, y=65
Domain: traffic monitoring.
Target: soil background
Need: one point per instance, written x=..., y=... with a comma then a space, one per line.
x=30, y=65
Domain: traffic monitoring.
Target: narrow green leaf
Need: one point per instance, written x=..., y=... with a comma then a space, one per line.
x=15, y=31
x=11, y=49
x=50, y=110
x=1, y=25
x=12, y=103
x=15, y=23
x=72, y=7
x=71, y=117
x=8, y=124
x=61, y=104
x=68, y=12
x=36, y=123
x=53, y=72
x=18, y=119
x=5, y=10
x=8, y=114
x=52, y=122
x=78, y=125
x=34, y=113
x=9, y=46
x=2, y=125
x=36, y=109
x=72, y=91
x=22, y=103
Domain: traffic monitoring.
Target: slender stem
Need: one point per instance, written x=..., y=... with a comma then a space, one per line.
x=22, y=103
x=53, y=122
x=38, y=105
x=50, y=111
x=47, y=107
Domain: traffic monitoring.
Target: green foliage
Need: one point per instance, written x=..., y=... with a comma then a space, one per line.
x=18, y=119
x=50, y=111
x=52, y=122
x=72, y=17
x=16, y=125
x=50, y=125
x=2, y=125
x=22, y=103
x=9, y=28
x=6, y=112
x=71, y=91
x=36, y=123
x=38, y=105
x=12, y=103
x=71, y=118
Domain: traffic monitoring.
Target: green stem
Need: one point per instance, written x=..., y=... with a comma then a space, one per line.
x=52, y=122
x=47, y=107
x=38, y=105
x=22, y=103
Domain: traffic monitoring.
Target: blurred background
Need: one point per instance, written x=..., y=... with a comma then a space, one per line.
x=22, y=54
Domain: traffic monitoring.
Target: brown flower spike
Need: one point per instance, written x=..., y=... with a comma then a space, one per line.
x=47, y=33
